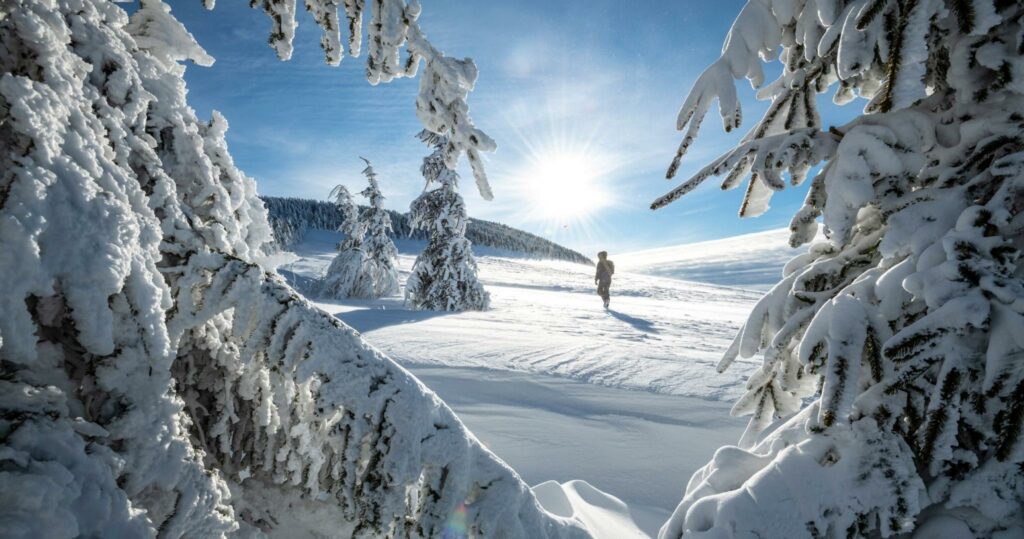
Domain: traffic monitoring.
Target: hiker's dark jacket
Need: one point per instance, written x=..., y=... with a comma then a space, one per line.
x=605, y=270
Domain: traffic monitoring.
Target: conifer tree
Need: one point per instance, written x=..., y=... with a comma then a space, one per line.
x=890, y=396
x=380, y=249
x=157, y=380
x=350, y=273
x=444, y=276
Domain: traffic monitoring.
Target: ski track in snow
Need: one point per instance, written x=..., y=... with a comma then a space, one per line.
x=549, y=380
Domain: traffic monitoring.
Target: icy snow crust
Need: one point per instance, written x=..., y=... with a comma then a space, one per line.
x=156, y=379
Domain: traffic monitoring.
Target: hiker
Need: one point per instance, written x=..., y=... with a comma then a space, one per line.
x=603, y=278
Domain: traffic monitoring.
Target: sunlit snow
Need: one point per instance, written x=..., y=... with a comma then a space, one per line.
x=627, y=400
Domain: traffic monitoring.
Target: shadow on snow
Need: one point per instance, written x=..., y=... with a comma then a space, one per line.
x=363, y=320
x=638, y=323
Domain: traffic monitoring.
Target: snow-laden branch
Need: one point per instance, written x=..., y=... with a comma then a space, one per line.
x=444, y=84
x=294, y=399
x=890, y=394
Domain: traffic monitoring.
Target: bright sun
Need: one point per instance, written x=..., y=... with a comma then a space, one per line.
x=563, y=187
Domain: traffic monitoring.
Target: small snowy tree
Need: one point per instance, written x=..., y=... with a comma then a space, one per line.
x=349, y=274
x=444, y=276
x=890, y=396
x=380, y=249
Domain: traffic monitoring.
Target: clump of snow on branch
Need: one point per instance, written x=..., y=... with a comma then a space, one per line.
x=891, y=381
x=157, y=380
x=444, y=276
x=444, y=85
x=349, y=274
x=381, y=254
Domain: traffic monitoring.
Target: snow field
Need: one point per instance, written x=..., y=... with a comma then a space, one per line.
x=574, y=398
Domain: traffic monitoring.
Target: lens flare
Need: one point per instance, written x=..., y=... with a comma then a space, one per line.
x=563, y=187
x=456, y=527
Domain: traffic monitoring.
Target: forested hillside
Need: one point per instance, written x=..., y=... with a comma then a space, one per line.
x=290, y=218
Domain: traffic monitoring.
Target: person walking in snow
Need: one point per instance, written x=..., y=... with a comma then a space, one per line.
x=603, y=278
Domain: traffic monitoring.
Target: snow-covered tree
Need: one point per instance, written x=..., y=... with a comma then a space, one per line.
x=350, y=273
x=156, y=379
x=380, y=251
x=444, y=276
x=890, y=396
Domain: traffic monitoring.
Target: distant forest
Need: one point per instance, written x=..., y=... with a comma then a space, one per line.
x=290, y=218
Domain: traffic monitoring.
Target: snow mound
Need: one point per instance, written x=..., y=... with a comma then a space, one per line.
x=603, y=515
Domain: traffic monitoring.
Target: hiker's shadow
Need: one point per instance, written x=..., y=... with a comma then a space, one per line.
x=363, y=320
x=638, y=323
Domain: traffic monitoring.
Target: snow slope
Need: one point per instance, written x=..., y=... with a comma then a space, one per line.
x=627, y=401
x=661, y=335
x=752, y=261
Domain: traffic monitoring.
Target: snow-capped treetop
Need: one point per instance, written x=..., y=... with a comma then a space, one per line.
x=159, y=33
x=351, y=225
x=434, y=168
x=378, y=245
x=444, y=85
x=372, y=191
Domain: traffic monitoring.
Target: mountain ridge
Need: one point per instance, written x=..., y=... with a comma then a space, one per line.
x=291, y=217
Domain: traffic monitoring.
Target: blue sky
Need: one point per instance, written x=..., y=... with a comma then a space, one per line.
x=597, y=80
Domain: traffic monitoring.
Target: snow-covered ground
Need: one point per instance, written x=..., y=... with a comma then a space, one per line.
x=661, y=335
x=638, y=446
x=562, y=389
x=753, y=261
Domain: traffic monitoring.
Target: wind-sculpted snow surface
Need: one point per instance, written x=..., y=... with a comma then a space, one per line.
x=891, y=388
x=661, y=335
x=155, y=380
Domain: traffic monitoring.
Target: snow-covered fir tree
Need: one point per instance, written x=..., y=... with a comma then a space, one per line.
x=381, y=254
x=157, y=381
x=890, y=396
x=350, y=273
x=444, y=276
